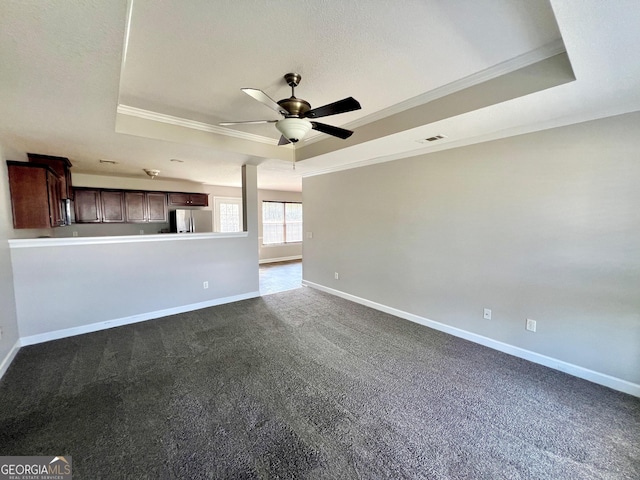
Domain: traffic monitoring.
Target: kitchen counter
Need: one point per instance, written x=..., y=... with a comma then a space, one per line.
x=74, y=241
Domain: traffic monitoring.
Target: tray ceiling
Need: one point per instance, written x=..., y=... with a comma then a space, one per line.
x=143, y=82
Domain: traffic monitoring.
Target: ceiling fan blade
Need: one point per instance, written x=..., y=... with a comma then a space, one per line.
x=250, y=122
x=341, y=106
x=331, y=130
x=265, y=100
x=283, y=140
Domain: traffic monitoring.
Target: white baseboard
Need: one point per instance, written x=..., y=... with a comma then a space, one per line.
x=571, y=369
x=118, y=322
x=280, y=259
x=6, y=361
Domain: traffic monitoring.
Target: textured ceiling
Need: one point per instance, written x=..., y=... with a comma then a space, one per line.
x=173, y=70
x=190, y=59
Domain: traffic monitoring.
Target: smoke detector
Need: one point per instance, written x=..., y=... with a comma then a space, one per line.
x=152, y=173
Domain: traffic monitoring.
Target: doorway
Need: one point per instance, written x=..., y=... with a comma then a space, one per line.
x=280, y=276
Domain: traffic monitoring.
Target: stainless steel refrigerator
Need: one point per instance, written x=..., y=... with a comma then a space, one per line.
x=191, y=221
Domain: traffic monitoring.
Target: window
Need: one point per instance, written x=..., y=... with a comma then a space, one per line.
x=227, y=214
x=281, y=222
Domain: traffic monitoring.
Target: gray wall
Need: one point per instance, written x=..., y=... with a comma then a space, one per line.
x=63, y=287
x=543, y=226
x=8, y=317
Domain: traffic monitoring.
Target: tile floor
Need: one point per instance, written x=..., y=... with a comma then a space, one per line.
x=280, y=276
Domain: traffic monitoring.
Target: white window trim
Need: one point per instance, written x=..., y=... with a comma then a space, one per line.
x=216, y=210
x=285, y=243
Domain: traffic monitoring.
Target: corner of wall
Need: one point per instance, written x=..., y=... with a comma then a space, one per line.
x=10, y=340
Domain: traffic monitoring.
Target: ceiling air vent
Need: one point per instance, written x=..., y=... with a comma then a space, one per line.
x=435, y=138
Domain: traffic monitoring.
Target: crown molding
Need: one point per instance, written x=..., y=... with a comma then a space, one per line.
x=185, y=122
x=546, y=51
x=521, y=61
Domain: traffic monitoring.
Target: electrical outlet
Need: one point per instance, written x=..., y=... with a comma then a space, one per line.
x=309, y=234
x=205, y=285
x=141, y=232
x=487, y=314
x=336, y=276
x=531, y=325
x=75, y=234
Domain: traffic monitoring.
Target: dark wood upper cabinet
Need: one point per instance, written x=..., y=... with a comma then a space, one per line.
x=61, y=166
x=134, y=207
x=188, y=199
x=92, y=205
x=87, y=206
x=35, y=195
x=157, y=207
x=112, y=206
x=97, y=205
x=179, y=199
x=146, y=207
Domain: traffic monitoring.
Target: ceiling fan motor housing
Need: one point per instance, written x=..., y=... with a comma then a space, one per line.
x=295, y=106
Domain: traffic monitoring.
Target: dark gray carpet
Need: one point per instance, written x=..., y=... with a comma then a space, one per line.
x=304, y=385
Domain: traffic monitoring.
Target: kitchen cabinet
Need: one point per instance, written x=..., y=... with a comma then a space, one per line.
x=188, y=199
x=99, y=206
x=56, y=208
x=35, y=195
x=61, y=167
x=87, y=206
x=157, y=207
x=112, y=203
x=145, y=207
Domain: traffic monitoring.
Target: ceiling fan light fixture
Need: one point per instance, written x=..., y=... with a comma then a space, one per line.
x=294, y=129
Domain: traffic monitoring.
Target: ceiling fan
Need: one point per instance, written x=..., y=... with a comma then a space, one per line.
x=297, y=112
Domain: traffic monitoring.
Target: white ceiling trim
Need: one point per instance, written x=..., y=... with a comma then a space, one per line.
x=185, y=122
x=521, y=61
x=546, y=51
